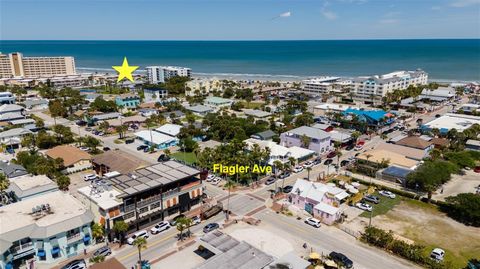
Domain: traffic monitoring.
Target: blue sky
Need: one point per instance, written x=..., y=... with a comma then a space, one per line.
x=238, y=19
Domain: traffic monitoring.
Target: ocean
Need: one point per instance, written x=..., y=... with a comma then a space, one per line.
x=443, y=59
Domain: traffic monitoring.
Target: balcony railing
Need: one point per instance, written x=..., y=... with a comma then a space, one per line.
x=166, y=195
x=22, y=248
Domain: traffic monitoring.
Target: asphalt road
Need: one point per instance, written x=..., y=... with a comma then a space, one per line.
x=326, y=239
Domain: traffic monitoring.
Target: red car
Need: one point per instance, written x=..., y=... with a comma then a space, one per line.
x=476, y=169
x=331, y=154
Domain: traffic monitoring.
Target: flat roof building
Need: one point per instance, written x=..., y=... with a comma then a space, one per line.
x=16, y=65
x=449, y=121
x=159, y=74
x=26, y=187
x=48, y=228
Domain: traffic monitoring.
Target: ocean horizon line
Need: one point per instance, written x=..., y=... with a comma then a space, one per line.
x=241, y=40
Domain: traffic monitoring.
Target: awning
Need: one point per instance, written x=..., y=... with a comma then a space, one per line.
x=9, y=266
x=86, y=238
x=41, y=253
x=55, y=250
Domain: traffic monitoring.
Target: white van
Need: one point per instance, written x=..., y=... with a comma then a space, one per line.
x=437, y=254
x=136, y=235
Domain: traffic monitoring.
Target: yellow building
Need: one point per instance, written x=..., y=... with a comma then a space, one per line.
x=15, y=64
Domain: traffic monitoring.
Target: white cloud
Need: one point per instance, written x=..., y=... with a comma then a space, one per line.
x=464, y=3
x=330, y=15
x=285, y=14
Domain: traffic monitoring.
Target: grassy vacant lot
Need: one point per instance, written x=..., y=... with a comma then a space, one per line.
x=188, y=157
x=383, y=206
x=425, y=225
x=252, y=105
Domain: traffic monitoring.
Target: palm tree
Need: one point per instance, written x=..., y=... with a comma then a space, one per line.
x=278, y=166
x=97, y=231
x=339, y=154
x=140, y=243
x=182, y=224
x=305, y=140
x=229, y=185
x=308, y=172
x=120, y=227
x=368, y=156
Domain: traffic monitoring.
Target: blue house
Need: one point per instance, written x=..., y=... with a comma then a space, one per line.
x=130, y=101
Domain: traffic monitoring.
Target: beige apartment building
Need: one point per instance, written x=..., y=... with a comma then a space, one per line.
x=16, y=65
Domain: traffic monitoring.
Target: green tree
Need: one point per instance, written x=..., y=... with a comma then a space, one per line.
x=99, y=104
x=56, y=109
x=305, y=140
x=140, y=243
x=464, y=207
x=63, y=182
x=97, y=231
x=4, y=182
x=305, y=119
x=92, y=143
x=230, y=185
x=182, y=224
x=120, y=228
x=430, y=175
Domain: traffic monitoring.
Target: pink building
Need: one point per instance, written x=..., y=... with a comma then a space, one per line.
x=321, y=200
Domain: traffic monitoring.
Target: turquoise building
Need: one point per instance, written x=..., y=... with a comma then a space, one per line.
x=129, y=101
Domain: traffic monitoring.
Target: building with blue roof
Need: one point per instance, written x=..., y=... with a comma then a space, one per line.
x=371, y=117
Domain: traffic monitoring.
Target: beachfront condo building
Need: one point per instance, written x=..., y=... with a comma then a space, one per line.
x=16, y=65
x=159, y=74
x=373, y=88
x=320, y=85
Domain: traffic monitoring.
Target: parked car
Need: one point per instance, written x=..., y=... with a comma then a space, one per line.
x=270, y=181
x=287, y=189
x=297, y=169
x=340, y=258
x=76, y=264
x=327, y=161
x=437, y=254
x=350, y=147
x=210, y=177
x=308, y=164
x=88, y=129
x=106, y=148
x=90, y=177
x=142, y=147
x=331, y=154
x=317, y=161
x=173, y=222
x=344, y=163
x=136, y=235
x=210, y=227
x=313, y=222
x=129, y=141
x=388, y=194
x=103, y=251
x=196, y=220
x=160, y=227
x=476, y=169
x=284, y=175
x=372, y=198
x=364, y=206
x=216, y=180
x=83, y=148
x=163, y=158
x=81, y=122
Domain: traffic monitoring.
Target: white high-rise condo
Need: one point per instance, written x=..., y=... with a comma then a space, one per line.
x=375, y=87
x=16, y=65
x=158, y=74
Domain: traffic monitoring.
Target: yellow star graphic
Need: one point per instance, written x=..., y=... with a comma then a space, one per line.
x=125, y=71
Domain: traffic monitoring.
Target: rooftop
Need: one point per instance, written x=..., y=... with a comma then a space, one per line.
x=151, y=177
x=118, y=160
x=236, y=255
x=105, y=198
x=18, y=220
x=379, y=155
x=411, y=153
x=170, y=129
x=449, y=121
x=11, y=170
x=199, y=109
x=256, y=113
x=70, y=154
x=29, y=185
x=217, y=100
x=155, y=137
x=310, y=132
x=414, y=142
